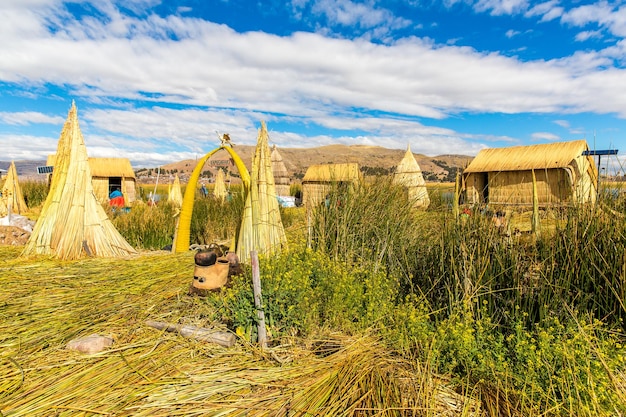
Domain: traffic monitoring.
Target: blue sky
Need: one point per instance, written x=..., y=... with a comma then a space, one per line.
x=154, y=80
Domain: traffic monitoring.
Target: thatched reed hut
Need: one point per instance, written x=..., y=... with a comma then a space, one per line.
x=281, y=175
x=503, y=176
x=108, y=174
x=12, y=195
x=409, y=174
x=320, y=179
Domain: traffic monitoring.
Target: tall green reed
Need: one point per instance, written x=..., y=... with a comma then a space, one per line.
x=35, y=192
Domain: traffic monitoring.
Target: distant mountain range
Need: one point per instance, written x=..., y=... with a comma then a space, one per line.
x=25, y=169
x=371, y=159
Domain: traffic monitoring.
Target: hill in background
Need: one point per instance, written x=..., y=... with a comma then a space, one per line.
x=372, y=160
x=25, y=169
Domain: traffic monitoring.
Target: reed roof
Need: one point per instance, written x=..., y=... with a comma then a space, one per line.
x=332, y=172
x=105, y=167
x=523, y=158
x=278, y=165
x=408, y=171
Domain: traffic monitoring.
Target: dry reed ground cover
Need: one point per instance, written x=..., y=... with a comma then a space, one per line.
x=45, y=303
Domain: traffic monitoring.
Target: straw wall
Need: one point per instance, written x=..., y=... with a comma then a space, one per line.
x=129, y=190
x=101, y=189
x=475, y=185
x=319, y=180
x=516, y=187
x=586, y=174
x=314, y=193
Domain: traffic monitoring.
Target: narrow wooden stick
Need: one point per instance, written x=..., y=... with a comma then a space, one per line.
x=198, y=333
x=256, y=288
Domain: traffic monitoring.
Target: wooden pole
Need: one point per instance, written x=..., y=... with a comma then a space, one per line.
x=258, y=304
x=457, y=196
x=221, y=338
x=535, y=224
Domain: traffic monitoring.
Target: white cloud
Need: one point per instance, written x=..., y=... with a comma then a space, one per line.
x=588, y=34
x=511, y=33
x=545, y=136
x=376, y=21
x=27, y=147
x=233, y=80
x=563, y=123
x=501, y=7
x=548, y=10
x=603, y=14
x=300, y=75
x=28, y=118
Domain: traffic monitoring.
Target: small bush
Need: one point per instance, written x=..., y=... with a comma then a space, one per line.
x=35, y=192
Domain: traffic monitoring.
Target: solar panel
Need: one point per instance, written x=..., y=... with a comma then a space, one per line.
x=45, y=169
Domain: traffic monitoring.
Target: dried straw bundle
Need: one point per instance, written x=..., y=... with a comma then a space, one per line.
x=175, y=195
x=261, y=227
x=72, y=222
x=152, y=373
x=219, y=190
x=12, y=193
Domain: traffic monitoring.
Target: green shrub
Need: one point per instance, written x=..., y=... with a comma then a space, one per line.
x=147, y=227
x=35, y=192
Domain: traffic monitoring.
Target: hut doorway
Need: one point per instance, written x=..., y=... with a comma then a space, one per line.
x=483, y=179
x=114, y=184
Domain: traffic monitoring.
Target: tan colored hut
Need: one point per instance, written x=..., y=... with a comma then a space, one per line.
x=409, y=174
x=108, y=174
x=12, y=194
x=503, y=176
x=72, y=223
x=281, y=175
x=319, y=180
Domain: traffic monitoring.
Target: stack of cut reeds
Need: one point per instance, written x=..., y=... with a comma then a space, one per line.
x=12, y=195
x=175, y=195
x=219, y=189
x=72, y=223
x=261, y=227
x=156, y=373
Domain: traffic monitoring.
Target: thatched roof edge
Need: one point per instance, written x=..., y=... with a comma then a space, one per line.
x=522, y=158
x=332, y=172
x=105, y=167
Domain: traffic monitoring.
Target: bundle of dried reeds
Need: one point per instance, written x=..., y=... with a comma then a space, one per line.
x=12, y=193
x=262, y=227
x=219, y=190
x=175, y=195
x=72, y=222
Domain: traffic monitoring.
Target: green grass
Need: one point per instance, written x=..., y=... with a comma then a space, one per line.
x=521, y=326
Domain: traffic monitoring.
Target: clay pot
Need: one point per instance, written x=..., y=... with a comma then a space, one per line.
x=205, y=258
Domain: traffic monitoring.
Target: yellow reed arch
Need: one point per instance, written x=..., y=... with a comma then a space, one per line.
x=183, y=232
